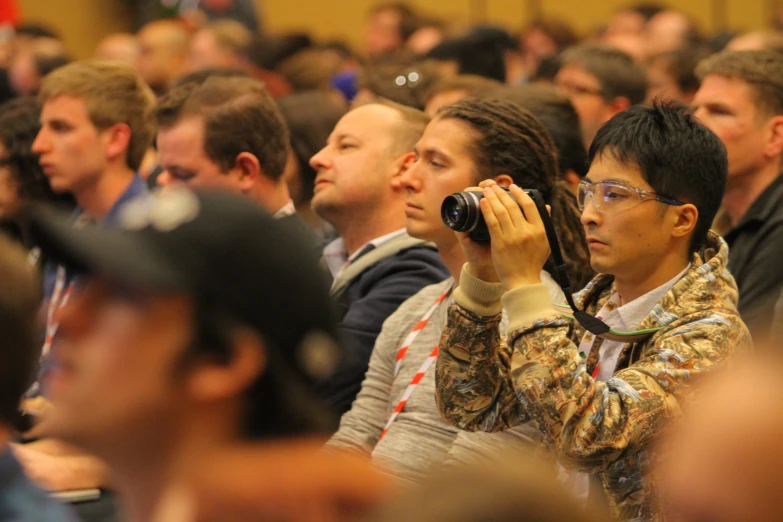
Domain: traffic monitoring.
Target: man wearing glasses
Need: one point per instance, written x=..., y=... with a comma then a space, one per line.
x=600, y=81
x=663, y=290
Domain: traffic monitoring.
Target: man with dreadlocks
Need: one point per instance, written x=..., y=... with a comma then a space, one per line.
x=667, y=308
x=395, y=419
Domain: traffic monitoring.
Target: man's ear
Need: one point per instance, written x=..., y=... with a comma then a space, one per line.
x=117, y=140
x=618, y=104
x=212, y=381
x=248, y=169
x=572, y=179
x=774, y=142
x=504, y=180
x=687, y=217
x=400, y=166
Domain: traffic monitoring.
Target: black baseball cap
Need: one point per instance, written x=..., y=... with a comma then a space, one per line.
x=224, y=250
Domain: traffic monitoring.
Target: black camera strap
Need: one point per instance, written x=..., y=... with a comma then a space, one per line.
x=590, y=323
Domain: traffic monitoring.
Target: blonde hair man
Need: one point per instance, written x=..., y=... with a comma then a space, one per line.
x=96, y=125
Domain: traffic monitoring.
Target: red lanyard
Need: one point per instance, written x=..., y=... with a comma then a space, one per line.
x=424, y=367
x=59, y=298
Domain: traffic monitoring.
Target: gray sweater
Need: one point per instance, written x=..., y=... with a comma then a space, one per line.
x=419, y=440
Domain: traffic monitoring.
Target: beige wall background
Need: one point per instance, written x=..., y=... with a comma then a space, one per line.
x=84, y=22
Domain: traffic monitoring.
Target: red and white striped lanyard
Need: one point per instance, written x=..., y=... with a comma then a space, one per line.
x=424, y=367
x=59, y=298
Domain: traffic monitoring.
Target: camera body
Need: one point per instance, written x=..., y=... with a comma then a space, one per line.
x=461, y=212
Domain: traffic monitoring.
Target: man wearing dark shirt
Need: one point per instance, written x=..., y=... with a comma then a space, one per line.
x=741, y=100
x=227, y=133
x=20, y=500
x=376, y=265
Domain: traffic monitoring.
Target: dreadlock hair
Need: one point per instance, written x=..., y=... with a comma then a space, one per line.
x=510, y=140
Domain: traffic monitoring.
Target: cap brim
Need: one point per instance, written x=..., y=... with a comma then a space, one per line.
x=123, y=256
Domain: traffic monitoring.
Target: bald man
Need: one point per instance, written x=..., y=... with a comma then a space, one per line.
x=725, y=461
x=669, y=30
x=122, y=47
x=164, y=47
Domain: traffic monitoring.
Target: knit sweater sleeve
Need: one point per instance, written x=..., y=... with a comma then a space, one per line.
x=360, y=427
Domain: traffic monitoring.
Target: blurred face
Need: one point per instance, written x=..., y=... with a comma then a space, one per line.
x=726, y=107
x=443, y=166
x=665, y=32
x=159, y=63
x=182, y=157
x=115, y=362
x=23, y=74
x=625, y=22
x=205, y=53
x=584, y=91
x=73, y=153
x=355, y=169
x=9, y=188
x=382, y=33
x=424, y=39
x=723, y=462
x=628, y=244
x=662, y=84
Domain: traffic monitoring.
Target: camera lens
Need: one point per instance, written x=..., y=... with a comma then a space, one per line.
x=459, y=211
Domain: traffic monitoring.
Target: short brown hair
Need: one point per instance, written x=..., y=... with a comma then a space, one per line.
x=473, y=85
x=230, y=35
x=19, y=303
x=761, y=70
x=114, y=93
x=409, y=129
x=618, y=74
x=239, y=116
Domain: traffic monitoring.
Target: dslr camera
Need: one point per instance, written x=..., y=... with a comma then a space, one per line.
x=461, y=212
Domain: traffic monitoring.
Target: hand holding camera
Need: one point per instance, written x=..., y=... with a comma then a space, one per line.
x=518, y=246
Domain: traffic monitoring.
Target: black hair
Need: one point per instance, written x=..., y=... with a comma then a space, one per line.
x=311, y=116
x=546, y=70
x=279, y=402
x=37, y=30
x=19, y=125
x=556, y=112
x=19, y=304
x=268, y=52
x=678, y=156
x=647, y=9
x=479, y=53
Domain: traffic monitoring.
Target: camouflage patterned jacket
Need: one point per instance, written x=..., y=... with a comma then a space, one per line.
x=605, y=428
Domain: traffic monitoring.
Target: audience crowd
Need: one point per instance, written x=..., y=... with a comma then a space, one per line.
x=235, y=285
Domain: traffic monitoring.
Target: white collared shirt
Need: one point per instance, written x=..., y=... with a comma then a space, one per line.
x=623, y=318
x=336, y=254
x=287, y=210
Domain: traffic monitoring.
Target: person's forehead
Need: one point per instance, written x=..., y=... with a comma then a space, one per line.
x=65, y=105
x=606, y=167
x=727, y=89
x=369, y=121
x=446, y=135
x=575, y=71
x=183, y=139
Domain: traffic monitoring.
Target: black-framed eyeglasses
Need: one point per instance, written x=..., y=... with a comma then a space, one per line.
x=611, y=197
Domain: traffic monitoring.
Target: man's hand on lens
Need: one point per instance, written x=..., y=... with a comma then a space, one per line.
x=519, y=246
x=478, y=254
